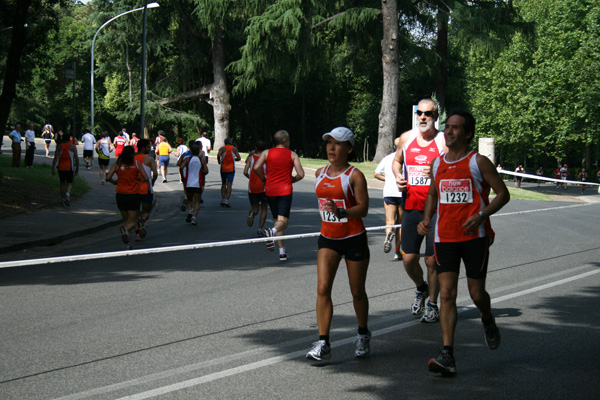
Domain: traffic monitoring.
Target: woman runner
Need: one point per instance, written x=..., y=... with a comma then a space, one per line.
x=343, y=201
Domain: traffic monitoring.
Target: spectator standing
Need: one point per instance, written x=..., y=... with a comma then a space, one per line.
x=29, y=146
x=280, y=162
x=89, y=142
x=227, y=156
x=392, y=203
x=15, y=138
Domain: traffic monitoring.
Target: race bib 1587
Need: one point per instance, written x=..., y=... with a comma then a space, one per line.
x=417, y=176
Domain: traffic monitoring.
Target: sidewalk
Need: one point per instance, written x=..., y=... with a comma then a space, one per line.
x=96, y=209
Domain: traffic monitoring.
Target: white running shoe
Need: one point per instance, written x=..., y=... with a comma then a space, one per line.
x=320, y=351
x=362, y=345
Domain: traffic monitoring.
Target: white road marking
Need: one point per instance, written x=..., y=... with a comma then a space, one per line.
x=296, y=354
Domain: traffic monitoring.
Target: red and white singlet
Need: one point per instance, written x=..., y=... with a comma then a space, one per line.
x=228, y=161
x=462, y=192
x=416, y=158
x=65, y=162
x=120, y=142
x=339, y=190
x=194, y=175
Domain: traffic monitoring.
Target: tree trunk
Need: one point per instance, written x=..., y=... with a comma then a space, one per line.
x=219, y=96
x=389, y=103
x=13, y=63
x=442, y=51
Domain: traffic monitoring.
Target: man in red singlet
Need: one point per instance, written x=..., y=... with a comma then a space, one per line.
x=280, y=162
x=461, y=182
x=146, y=187
x=68, y=167
x=417, y=148
x=227, y=156
x=256, y=188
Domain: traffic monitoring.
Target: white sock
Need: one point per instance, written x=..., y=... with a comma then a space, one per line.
x=282, y=250
x=273, y=230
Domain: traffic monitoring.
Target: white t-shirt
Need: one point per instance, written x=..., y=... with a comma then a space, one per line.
x=88, y=141
x=30, y=136
x=390, y=188
x=205, y=144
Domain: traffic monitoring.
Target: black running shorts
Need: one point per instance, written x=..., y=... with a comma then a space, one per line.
x=474, y=253
x=411, y=240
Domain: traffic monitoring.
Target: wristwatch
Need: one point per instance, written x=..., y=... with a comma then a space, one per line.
x=482, y=215
x=342, y=213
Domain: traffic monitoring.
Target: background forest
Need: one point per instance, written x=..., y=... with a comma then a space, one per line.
x=527, y=69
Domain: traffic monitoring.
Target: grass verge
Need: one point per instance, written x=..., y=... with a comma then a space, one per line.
x=38, y=175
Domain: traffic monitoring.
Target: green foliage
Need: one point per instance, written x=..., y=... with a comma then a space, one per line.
x=538, y=96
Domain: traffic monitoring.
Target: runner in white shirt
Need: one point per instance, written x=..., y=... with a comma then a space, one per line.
x=88, y=148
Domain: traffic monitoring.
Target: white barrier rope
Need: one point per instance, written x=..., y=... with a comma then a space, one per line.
x=154, y=250
x=543, y=178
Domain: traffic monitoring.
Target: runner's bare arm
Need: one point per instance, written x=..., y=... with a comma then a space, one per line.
x=258, y=165
x=430, y=205
x=298, y=168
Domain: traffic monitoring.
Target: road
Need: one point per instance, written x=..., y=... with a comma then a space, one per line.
x=234, y=323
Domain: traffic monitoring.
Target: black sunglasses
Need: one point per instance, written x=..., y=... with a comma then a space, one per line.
x=427, y=113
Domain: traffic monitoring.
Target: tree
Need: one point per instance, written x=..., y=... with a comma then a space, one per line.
x=388, y=115
x=11, y=73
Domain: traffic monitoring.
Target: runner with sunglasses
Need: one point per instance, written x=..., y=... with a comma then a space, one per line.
x=416, y=150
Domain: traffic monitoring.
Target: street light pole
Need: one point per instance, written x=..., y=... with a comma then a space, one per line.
x=151, y=5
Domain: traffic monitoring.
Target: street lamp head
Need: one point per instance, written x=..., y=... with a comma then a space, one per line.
x=153, y=5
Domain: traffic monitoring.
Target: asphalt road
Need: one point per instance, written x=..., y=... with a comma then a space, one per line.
x=234, y=323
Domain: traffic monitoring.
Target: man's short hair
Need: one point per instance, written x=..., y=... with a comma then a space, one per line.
x=260, y=145
x=469, y=121
x=195, y=149
x=436, y=106
x=228, y=140
x=281, y=137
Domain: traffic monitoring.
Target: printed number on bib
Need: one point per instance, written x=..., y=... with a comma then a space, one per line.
x=417, y=176
x=456, y=191
x=327, y=216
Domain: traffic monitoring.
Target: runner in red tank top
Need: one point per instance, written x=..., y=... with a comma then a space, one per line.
x=343, y=201
x=129, y=173
x=226, y=157
x=65, y=157
x=256, y=188
x=416, y=149
x=280, y=162
x=463, y=233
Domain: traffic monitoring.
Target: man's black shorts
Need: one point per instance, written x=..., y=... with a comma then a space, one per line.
x=411, y=240
x=474, y=253
x=65, y=176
